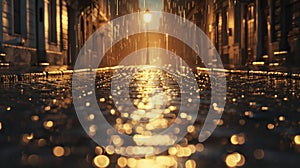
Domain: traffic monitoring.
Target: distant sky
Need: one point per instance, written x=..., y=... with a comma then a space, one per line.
x=154, y=5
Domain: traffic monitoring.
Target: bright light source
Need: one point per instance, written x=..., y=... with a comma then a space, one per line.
x=147, y=16
x=258, y=63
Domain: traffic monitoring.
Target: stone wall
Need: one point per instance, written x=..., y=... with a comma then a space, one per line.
x=21, y=47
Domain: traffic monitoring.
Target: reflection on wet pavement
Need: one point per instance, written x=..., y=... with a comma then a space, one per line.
x=259, y=127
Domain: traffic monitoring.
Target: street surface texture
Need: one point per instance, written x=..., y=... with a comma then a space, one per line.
x=259, y=127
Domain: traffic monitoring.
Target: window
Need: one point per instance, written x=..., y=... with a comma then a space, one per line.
x=52, y=21
x=251, y=12
x=251, y=30
x=219, y=31
x=225, y=26
x=17, y=17
x=237, y=24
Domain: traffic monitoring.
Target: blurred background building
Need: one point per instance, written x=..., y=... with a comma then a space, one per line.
x=85, y=17
x=243, y=31
x=52, y=32
x=34, y=31
x=247, y=31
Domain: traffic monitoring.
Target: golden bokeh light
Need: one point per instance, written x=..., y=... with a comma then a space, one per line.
x=281, y=118
x=58, y=151
x=235, y=160
x=101, y=161
x=270, y=126
x=122, y=162
x=191, y=129
x=249, y=114
x=48, y=124
x=27, y=138
x=192, y=148
x=297, y=139
x=220, y=122
x=190, y=164
x=30, y=136
x=102, y=100
x=91, y=117
x=35, y=118
x=233, y=100
x=237, y=139
x=172, y=151
x=110, y=150
x=183, y=115
x=98, y=150
x=200, y=147
x=131, y=162
x=113, y=112
x=47, y=108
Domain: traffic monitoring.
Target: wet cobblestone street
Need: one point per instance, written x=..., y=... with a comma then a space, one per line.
x=260, y=126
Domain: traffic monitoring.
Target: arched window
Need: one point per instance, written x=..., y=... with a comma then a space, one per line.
x=251, y=11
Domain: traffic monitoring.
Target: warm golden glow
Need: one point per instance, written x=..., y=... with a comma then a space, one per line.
x=35, y=118
x=101, y=161
x=110, y=150
x=47, y=108
x=131, y=162
x=58, y=151
x=91, y=117
x=235, y=160
x=98, y=150
x=48, y=124
x=265, y=108
x=172, y=151
x=190, y=164
x=147, y=17
x=220, y=122
x=270, y=126
x=258, y=63
x=200, y=147
x=237, y=139
x=249, y=114
x=30, y=136
x=102, y=100
x=297, y=139
x=27, y=138
x=281, y=118
x=122, y=162
x=190, y=129
x=113, y=112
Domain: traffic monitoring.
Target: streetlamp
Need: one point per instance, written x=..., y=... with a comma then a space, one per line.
x=147, y=19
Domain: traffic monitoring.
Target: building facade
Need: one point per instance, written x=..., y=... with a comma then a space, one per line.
x=34, y=32
x=87, y=16
x=247, y=31
x=194, y=11
x=254, y=30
